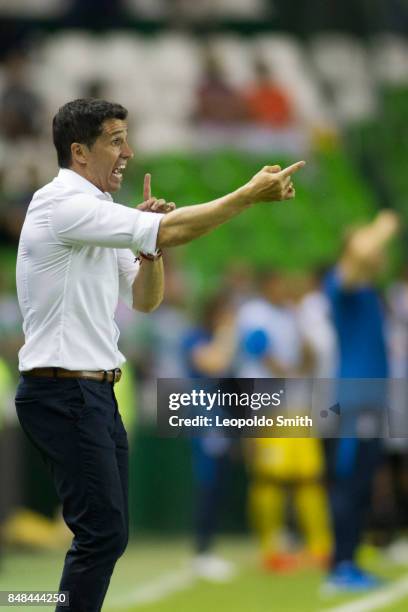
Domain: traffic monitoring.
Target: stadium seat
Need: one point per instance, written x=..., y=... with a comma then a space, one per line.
x=240, y=9
x=157, y=136
x=289, y=65
x=175, y=58
x=32, y=8
x=124, y=61
x=343, y=52
x=122, y=56
x=197, y=11
x=390, y=59
x=51, y=82
x=350, y=84
x=281, y=51
x=80, y=47
x=235, y=56
x=355, y=104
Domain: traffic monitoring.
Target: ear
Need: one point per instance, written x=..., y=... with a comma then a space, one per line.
x=79, y=153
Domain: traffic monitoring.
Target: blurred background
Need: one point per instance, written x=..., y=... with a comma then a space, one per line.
x=215, y=90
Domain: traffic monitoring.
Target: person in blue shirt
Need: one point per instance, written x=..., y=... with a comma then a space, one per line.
x=209, y=350
x=354, y=456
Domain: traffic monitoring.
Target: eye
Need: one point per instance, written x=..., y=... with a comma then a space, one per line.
x=117, y=141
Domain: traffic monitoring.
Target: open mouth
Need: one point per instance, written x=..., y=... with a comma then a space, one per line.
x=118, y=172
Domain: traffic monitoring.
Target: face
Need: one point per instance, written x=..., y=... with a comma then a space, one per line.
x=103, y=164
x=276, y=290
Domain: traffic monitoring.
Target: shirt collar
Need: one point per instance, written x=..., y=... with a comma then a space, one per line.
x=73, y=179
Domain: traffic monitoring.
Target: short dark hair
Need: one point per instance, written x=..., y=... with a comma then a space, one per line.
x=81, y=121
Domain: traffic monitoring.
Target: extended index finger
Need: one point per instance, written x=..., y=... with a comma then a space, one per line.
x=147, y=190
x=292, y=169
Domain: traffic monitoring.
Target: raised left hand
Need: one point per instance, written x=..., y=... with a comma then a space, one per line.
x=151, y=204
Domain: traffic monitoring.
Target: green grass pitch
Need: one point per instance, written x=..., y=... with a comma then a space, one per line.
x=154, y=576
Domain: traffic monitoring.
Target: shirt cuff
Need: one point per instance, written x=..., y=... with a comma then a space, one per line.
x=148, y=241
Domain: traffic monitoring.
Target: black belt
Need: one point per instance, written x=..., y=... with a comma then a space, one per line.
x=112, y=376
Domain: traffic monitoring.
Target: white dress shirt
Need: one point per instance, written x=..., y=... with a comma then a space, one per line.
x=75, y=257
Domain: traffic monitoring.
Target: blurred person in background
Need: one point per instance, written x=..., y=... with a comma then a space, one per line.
x=397, y=302
x=218, y=104
x=11, y=336
x=391, y=485
x=77, y=252
x=272, y=120
x=21, y=109
x=358, y=318
x=238, y=281
x=271, y=346
x=313, y=314
x=17, y=189
x=268, y=104
x=21, y=115
x=11, y=455
x=22, y=523
x=315, y=325
x=209, y=351
x=9, y=481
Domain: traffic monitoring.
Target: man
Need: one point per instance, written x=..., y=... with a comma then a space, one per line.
x=208, y=351
x=354, y=457
x=76, y=255
x=273, y=347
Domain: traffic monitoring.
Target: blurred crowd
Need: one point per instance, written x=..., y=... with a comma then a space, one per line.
x=264, y=94
x=222, y=115
x=328, y=324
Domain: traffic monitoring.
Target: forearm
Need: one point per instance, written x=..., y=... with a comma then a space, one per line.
x=354, y=270
x=365, y=249
x=271, y=184
x=217, y=355
x=184, y=224
x=148, y=286
x=372, y=239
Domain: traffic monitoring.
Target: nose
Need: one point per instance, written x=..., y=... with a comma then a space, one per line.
x=126, y=151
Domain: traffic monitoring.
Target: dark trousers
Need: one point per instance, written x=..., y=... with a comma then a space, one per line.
x=352, y=465
x=210, y=475
x=76, y=426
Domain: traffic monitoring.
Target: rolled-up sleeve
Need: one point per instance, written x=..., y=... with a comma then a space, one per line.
x=87, y=220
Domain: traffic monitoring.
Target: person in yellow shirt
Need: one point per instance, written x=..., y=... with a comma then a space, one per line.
x=277, y=467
